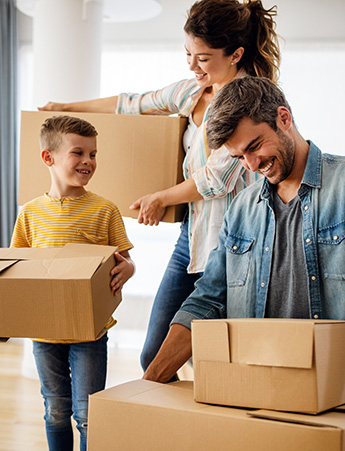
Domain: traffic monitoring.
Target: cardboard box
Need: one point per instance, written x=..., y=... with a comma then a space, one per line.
x=56, y=293
x=137, y=155
x=289, y=365
x=146, y=416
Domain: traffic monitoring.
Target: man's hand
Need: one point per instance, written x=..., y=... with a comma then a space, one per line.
x=122, y=271
x=174, y=352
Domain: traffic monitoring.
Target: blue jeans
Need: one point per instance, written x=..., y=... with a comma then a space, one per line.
x=69, y=373
x=174, y=288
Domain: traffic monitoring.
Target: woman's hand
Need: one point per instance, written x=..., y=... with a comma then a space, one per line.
x=151, y=209
x=122, y=271
x=104, y=105
x=52, y=106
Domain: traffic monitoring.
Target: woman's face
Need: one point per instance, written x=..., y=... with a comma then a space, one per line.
x=210, y=66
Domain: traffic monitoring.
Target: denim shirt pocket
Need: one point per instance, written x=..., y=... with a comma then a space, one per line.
x=331, y=246
x=238, y=259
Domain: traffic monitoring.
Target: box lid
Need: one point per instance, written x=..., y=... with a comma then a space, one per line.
x=265, y=342
x=56, y=268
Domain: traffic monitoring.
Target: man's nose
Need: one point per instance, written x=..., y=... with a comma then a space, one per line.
x=251, y=162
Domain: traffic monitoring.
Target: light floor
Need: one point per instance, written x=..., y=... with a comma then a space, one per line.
x=21, y=405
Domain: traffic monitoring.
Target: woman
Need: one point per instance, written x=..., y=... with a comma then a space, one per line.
x=224, y=39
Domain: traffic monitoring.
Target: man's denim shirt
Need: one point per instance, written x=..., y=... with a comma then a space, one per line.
x=237, y=274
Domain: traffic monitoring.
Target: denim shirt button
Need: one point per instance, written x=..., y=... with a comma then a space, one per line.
x=335, y=237
x=262, y=284
x=235, y=248
x=316, y=316
x=313, y=278
x=306, y=208
x=267, y=249
x=308, y=240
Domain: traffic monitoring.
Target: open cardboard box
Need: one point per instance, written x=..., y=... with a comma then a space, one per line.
x=154, y=417
x=137, y=155
x=289, y=365
x=56, y=293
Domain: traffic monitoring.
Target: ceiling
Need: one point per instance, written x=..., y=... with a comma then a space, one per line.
x=297, y=21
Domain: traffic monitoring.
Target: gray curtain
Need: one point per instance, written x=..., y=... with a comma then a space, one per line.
x=8, y=119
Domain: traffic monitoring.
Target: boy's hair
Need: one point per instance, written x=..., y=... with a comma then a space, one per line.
x=54, y=128
x=253, y=97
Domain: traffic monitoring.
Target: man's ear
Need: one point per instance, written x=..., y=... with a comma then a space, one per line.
x=47, y=157
x=284, y=118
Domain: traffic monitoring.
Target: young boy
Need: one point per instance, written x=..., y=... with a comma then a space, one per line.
x=70, y=371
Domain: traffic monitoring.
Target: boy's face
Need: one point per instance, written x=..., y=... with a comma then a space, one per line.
x=74, y=162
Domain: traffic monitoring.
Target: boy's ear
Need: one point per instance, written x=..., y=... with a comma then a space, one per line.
x=47, y=157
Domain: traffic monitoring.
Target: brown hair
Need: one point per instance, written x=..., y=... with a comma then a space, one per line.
x=229, y=24
x=256, y=98
x=54, y=128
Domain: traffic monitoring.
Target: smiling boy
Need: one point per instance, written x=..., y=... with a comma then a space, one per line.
x=70, y=371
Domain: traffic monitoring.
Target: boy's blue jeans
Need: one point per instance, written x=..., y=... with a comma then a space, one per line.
x=69, y=373
x=174, y=288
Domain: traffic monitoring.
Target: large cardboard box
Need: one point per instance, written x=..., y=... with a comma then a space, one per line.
x=137, y=155
x=147, y=416
x=289, y=365
x=56, y=293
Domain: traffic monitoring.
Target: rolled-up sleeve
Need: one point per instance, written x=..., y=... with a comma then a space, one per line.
x=179, y=97
x=220, y=172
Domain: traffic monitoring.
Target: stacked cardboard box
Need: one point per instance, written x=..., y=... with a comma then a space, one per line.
x=154, y=417
x=290, y=365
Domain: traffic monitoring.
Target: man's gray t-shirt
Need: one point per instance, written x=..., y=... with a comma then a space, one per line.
x=288, y=289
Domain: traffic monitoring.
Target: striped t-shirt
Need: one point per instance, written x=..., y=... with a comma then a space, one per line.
x=52, y=222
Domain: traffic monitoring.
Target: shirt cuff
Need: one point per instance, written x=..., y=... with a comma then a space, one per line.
x=184, y=318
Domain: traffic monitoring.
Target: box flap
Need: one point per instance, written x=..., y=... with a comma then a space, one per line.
x=210, y=341
x=4, y=264
x=27, y=253
x=282, y=343
x=328, y=419
x=60, y=268
x=85, y=250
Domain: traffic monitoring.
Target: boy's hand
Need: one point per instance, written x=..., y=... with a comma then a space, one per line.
x=122, y=271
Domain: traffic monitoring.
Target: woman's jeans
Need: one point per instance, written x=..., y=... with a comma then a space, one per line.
x=175, y=287
x=69, y=373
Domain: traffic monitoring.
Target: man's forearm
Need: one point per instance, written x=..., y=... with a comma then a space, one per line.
x=174, y=352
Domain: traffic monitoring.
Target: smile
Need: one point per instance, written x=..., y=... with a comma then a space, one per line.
x=199, y=76
x=83, y=171
x=267, y=168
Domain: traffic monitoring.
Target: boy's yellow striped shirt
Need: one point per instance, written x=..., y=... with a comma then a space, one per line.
x=51, y=222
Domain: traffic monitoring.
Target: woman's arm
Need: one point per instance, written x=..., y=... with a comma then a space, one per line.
x=104, y=105
x=152, y=207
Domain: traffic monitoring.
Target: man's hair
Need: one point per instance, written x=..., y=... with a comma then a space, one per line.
x=253, y=97
x=54, y=128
